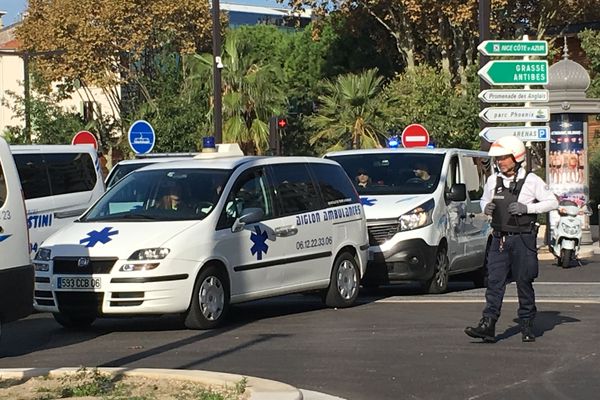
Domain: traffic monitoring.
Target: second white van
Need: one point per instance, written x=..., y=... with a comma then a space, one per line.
x=423, y=214
x=59, y=183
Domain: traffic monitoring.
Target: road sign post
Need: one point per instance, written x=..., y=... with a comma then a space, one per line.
x=415, y=135
x=141, y=137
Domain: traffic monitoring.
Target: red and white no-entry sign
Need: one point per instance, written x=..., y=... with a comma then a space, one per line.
x=415, y=135
x=85, y=137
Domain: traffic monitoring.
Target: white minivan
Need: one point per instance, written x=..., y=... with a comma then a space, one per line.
x=16, y=271
x=192, y=237
x=423, y=213
x=59, y=183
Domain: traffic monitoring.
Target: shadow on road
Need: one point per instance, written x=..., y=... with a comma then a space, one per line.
x=40, y=332
x=544, y=321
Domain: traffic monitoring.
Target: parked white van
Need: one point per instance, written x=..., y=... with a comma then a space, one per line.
x=59, y=182
x=192, y=237
x=16, y=271
x=423, y=213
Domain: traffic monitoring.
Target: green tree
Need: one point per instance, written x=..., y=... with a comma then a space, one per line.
x=50, y=123
x=111, y=44
x=252, y=93
x=590, y=42
x=351, y=112
x=426, y=95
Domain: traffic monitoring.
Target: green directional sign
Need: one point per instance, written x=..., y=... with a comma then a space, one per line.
x=515, y=72
x=513, y=48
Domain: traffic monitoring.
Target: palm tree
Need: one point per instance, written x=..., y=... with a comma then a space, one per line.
x=351, y=111
x=251, y=94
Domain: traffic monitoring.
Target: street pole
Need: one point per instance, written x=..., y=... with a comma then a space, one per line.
x=27, y=97
x=485, y=11
x=217, y=66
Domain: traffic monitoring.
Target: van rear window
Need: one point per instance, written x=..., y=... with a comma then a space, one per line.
x=51, y=174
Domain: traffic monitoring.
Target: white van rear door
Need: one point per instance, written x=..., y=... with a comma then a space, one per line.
x=16, y=272
x=14, y=241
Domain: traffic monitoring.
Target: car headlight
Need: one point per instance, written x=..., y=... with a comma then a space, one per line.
x=41, y=267
x=43, y=254
x=138, y=267
x=418, y=217
x=157, y=253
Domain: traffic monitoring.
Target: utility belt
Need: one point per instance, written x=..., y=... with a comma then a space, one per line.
x=499, y=234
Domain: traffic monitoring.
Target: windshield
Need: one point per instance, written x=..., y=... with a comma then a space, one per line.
x=392, y=173
x=120, y=170
x=161, y=195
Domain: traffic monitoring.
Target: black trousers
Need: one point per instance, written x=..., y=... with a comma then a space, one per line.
x=516, y=259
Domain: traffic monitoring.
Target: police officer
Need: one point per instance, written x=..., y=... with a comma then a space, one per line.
x=512, y=197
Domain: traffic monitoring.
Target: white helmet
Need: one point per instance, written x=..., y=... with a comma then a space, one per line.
x=508, y=145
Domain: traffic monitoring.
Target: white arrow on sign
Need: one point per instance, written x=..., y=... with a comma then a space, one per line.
x=515, y=114
x=514, y=96
x=525, y=133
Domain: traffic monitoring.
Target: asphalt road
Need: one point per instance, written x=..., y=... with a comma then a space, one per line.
x=396, y=344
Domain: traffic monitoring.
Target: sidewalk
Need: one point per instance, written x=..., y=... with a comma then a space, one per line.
x=257, y=388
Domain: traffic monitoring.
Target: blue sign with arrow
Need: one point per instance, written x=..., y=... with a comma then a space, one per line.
x=141, y=137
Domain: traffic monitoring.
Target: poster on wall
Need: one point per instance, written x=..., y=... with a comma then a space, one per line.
x=567, y=164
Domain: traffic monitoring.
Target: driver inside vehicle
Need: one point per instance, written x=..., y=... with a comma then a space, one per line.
x=171, y=199
x=422, y=175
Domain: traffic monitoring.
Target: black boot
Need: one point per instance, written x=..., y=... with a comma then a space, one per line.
x=486, y=330
x=527, y=331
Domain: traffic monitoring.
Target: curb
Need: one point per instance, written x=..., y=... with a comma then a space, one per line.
x=257, y=388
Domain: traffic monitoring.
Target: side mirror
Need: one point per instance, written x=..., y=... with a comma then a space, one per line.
x=458, y=192
x=249, y=216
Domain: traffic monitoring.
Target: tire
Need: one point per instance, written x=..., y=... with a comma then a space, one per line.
x=439, y=281
x=210, y=299
x=344, y=283
x=565, y=258
x=72, y=321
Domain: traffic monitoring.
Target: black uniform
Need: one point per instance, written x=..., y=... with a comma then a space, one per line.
x=512, y=254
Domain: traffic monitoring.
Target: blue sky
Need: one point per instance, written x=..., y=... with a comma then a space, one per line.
x=15, y=7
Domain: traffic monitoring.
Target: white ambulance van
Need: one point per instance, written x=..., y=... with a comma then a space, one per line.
x=423, y=214
x=59, y=182
x=16, y=271
x=193, y=237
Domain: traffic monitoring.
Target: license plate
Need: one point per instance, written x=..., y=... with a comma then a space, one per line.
x=78, y=283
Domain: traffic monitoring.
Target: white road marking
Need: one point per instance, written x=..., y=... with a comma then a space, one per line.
x=482, y=300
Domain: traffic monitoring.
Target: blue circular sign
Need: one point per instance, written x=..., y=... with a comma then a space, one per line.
x=141, y=137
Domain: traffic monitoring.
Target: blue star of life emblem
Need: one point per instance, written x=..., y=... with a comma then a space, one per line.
x=259, y=239
x=4, y=237
x=365, y=201
x=94, y=237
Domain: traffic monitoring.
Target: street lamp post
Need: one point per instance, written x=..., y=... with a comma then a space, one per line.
x=217, y=66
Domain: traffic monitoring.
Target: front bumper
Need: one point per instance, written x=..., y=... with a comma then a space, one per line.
x=165, y=290
x=407, y=260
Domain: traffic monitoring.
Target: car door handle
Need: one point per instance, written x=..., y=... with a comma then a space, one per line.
x=285, y=231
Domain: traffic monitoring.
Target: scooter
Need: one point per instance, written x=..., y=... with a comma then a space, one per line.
x=567, y=232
